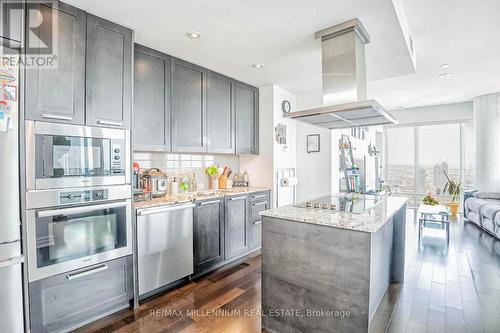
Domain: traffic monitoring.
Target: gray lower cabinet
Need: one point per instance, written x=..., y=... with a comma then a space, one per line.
x=220, y=114
x=109, y=74
x=188, y=107
x=66, y=301
x=11, y=12
x=247, y=118
x=151, y=115
x=258, y=202
x=208, y=233
x=58, y=94
x=236, y=226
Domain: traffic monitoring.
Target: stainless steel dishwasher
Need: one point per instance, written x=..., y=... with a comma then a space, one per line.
x=165, y=246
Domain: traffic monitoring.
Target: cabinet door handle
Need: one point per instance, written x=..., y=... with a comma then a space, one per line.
x=259, y=196
x=56, y=116
x=237, y=198
x=257, y=222
x=259, y=203
x=209, y=202
x=110, y=123
x=87, y=273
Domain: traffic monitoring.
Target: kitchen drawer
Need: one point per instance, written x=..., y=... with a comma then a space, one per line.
x=69, y=300
x=259, y=196
x=256, y=207
x=255, y=235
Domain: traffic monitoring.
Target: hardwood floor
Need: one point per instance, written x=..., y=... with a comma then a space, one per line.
x=454, y=290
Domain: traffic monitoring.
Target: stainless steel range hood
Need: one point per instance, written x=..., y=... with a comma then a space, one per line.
x=344, y=82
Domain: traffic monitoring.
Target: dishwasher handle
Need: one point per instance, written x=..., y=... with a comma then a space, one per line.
x=152, y=211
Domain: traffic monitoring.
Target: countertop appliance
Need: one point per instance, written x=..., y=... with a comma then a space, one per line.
x=164, y=246
x=69, y=229
x=11, y=259
x=355, y=204
x=63, y=155
x=344, y=82
x=155, y=181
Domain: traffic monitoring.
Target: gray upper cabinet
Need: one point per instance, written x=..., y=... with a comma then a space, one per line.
x=11, y=18
x=58, y=94
x=151, y=115
x=208, y=234
x=109, y=74
x=236, y=226
x=220, y=114
x=188, y=107
x=247, y=118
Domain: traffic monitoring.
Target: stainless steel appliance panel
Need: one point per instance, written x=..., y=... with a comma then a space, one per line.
x=69, y=238
x=165, y=245
x=86, y=156
x=11, y=259
x=11, y=288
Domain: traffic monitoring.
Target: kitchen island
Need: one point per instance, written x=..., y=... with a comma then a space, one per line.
x=327, y=264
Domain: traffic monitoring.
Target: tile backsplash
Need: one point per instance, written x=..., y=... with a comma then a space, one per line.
x=179, y=165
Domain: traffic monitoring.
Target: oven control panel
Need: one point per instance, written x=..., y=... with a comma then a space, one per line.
x=117, y=158
x=82, y=196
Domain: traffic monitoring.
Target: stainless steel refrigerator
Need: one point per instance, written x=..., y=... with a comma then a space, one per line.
x=11, y=259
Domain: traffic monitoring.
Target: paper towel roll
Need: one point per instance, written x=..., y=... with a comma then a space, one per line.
x=285, y=182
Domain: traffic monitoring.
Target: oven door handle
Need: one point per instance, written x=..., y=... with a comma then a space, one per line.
x=80, y=210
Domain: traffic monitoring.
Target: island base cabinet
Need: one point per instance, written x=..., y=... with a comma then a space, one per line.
x=66, y=301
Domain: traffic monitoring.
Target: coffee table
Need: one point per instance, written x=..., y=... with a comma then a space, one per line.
x=430, y=216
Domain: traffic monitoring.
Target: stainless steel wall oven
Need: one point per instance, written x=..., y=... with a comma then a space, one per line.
x=73, y=228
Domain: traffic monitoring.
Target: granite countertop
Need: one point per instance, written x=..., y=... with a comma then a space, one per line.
x=370, y=221
x=170, y=199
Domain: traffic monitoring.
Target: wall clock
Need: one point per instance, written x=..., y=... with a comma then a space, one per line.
x=286, y=106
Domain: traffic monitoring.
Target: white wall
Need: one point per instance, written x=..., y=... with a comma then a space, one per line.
x=314, y=170
x=436, y=113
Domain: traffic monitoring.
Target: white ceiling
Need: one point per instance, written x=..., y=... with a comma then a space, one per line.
x=279, y=34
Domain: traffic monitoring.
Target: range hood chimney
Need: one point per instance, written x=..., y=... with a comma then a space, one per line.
x=344, y=81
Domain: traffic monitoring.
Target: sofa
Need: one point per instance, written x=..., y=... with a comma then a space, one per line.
x=483, y=209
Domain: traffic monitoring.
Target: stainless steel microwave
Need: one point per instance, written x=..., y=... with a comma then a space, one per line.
x=61, y=156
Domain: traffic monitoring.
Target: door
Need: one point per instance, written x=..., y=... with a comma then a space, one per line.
x=220, y=114
x=57, y=94
x=236, y=226
x=247, y=118
x=188, y=107
x=208, y=234
x=11, y=287
x=109, y=74
x=151, y=117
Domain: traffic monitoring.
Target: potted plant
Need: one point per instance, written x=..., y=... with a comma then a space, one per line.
x=453, y=188
x=430, y=200
x=213, y=173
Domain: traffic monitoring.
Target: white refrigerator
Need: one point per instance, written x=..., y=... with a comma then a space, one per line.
x=11, y=258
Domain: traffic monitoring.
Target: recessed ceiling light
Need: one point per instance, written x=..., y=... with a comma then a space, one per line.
x=443, y=66
x=445, y=75
x=257, y=66
x=194, y=34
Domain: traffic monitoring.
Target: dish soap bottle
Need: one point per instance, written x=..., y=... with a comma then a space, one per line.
x=175, y=186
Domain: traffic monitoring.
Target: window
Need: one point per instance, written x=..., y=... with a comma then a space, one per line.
x=400, y=175
x=438, y=153
x=418, y=156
